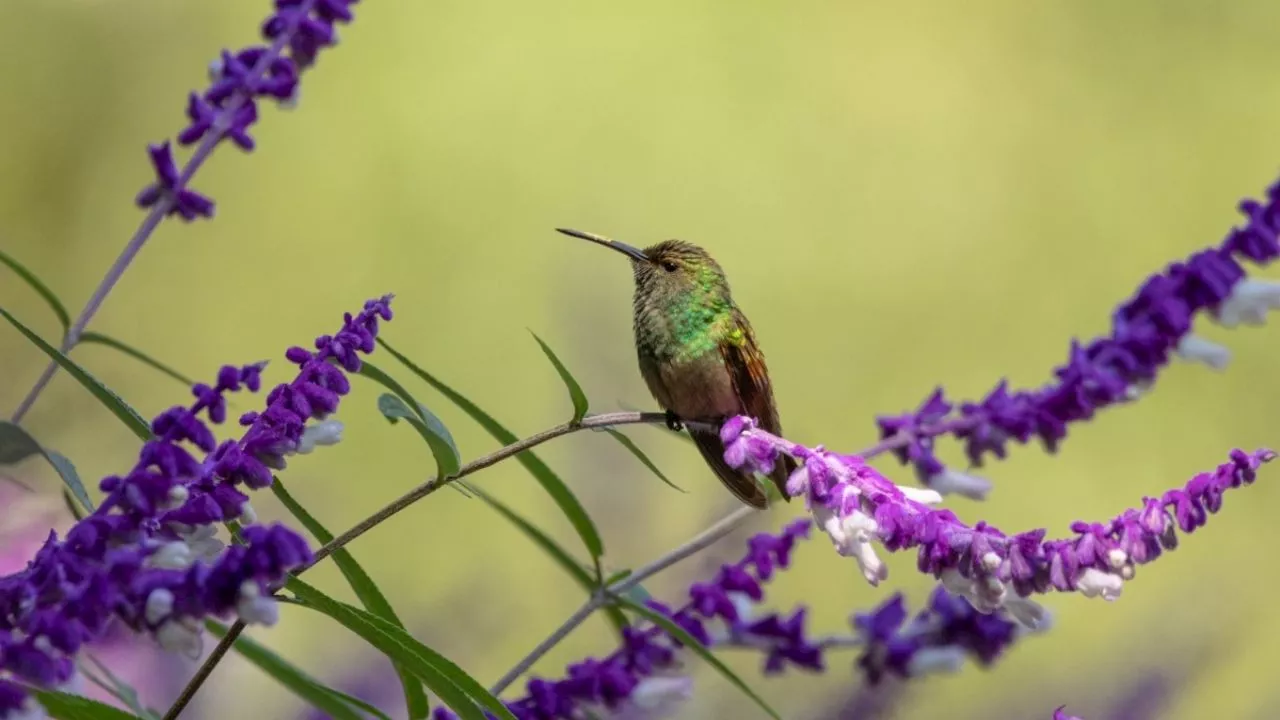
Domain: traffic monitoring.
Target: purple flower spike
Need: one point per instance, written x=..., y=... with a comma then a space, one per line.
x=857, y=507
x=228, y=109
x=1061, y=714
x=149, y=556
x=185, y=203
x=1147, y=331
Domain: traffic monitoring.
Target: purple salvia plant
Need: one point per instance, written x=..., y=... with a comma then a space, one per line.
x=1146, y=331
x=644, y=678
x=148, y=556
x=297, y=31
x=855, y=505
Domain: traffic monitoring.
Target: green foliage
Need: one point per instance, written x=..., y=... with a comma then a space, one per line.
x=697, y=648
x=550, y=482
x=580, y=575
x=365, y=589
x=119, y=689
x=17, y=445
x=118, y=407
x=644, y=459
x=36, y=284
x=291, y=677
x=63, y=706
x=429, y=427
x=136, y=354
x=462, y=693
x=576, y=395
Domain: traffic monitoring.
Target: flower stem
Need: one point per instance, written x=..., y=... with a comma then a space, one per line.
x=202, y=673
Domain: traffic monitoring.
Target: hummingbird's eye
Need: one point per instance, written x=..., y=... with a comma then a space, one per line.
x=670, y=266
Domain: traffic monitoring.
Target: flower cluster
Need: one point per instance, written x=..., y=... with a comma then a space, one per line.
x=1146, y=331
x=856, y=505
x=644, y=675
x=939, y=638
x=297, y=31
x=148, y=556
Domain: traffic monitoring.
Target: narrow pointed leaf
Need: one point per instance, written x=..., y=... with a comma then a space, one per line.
x=576, y=395
x=644, y=459
x=30, y=278
x=118, y=407
x=17, y=445
x=549, y=481
x=119, y=689
x=136, y=354
x=288, y=675
x=72, y=505
x=580, y=575
x=365, y=589
x=455, y=688
x=63, y=706
x=698, y=648
x=438, y=438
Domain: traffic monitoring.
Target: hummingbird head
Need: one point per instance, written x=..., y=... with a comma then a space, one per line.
x=672, y=269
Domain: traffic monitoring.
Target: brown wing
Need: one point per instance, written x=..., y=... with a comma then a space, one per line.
x=750, y=379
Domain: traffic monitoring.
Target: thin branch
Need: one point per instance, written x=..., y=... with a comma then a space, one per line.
x=202, y=673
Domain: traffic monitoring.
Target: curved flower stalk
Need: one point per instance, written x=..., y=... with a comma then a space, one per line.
x=148, y=557
x=297, y=31
x=856, y=506
x=645, y=677
x=1146, y=331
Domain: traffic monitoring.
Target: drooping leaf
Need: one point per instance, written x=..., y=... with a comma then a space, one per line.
x=576, y=395
x=118, y=407
x=72, y=506
x=549, y=481
x=698, y=648
x=644, y=459
x=17, y=445
x=438, y=438
x=365, y=589
x=580, y=575
x=64, y=706
x=30, y=278
x=136, y=354
x=119, y=689
x=429, y=421
x=288, y=675
x=462, y=693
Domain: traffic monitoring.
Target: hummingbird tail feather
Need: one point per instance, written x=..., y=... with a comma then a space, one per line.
x=742, y=485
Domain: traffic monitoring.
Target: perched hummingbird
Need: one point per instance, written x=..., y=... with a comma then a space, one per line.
x=697, y=352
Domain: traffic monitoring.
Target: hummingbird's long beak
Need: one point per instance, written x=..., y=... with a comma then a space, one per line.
x=634, y=252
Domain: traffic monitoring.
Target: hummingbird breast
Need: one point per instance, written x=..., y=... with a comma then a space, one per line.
x=680, y=360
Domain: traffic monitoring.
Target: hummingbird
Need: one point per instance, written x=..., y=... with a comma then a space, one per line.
x=697, y=352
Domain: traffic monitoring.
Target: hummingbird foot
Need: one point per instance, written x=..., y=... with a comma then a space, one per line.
x=673, y=422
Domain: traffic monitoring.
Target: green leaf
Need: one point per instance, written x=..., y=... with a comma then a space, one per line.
x=356, y=702
x=136, y=354
x=576, y=395
x=17, y=445
x=580, y=575
x=438, y=437
x=73, y=507
x=429, y=420
x=698, y=648
x=635, y=592
x=284, y=672
x=455, y=687
x=644, y=459
x=365, y=589
x=118, y=407
x=119, y=689
x=54, y=303
x=550, y=482
x=62, y=706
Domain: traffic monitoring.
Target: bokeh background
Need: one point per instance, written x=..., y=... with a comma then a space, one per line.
x=903, y=195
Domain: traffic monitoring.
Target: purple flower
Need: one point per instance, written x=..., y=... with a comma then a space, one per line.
x=1146, y=331
x=1061, y=714
x=148, y=557
x=297, y=31
x=169, y=188
x=989, y=568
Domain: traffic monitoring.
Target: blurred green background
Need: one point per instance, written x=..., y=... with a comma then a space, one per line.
x=901, y=195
